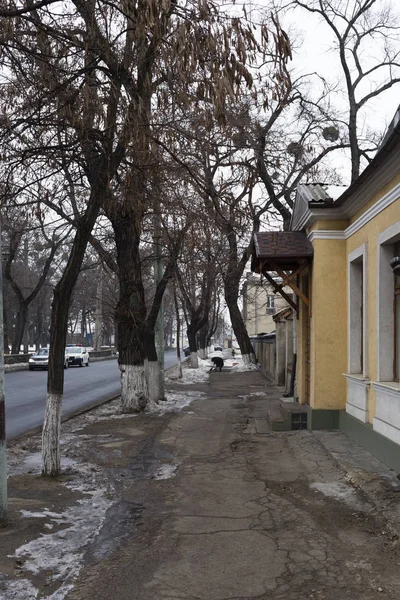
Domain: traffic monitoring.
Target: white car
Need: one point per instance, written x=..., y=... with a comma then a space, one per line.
x=40, y=360
x=77, y=355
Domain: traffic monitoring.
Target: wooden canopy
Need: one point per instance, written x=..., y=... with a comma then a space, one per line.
x=286, y=253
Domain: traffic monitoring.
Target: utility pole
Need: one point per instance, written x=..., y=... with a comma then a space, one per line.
x=3, y=463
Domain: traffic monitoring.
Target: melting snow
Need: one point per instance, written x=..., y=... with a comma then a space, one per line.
x=340, y=491
x=166, y=471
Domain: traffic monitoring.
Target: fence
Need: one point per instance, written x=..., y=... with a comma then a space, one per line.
x=265, y=350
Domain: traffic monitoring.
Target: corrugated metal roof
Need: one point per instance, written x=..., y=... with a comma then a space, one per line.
x=321, y=192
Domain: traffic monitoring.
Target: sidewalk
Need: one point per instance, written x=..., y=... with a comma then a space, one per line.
x=204, y=502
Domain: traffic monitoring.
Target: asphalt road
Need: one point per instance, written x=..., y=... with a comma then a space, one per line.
x=26, y=392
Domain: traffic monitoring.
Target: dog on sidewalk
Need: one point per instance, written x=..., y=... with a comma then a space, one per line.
x=218, y=363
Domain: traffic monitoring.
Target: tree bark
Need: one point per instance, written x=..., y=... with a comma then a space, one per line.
x=203, y=342
x=98, y=322
x=20, y=325
x=51, y=459
x=242, y=337
x=130, y=314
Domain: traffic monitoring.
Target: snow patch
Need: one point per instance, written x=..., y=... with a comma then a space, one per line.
x=20, y=589
x=60, y=553
x=32, y=463
x=166, y=471
x=176, y=401
x=343, y=492
x=240, y=366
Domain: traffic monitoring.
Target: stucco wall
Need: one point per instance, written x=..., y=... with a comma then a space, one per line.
x=328, y=325
x=368, y=235
x=257, y=320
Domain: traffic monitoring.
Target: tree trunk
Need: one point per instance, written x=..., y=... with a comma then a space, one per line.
x=130, y=315
x=203, y=342
x=51, y=459
x=152, y=368
x=242, y=337
x=178, y=332
x=98, y=321
x=5, y=326
x=22, y=317
x=192, y=338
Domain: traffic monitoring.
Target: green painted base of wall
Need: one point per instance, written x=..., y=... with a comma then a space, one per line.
x=284, y=425
x=323, y=419
x=379, y=446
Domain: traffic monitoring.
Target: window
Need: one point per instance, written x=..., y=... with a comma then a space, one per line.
x=388, y=293
x=270, y=304
x=395, y=264
x=357, y=311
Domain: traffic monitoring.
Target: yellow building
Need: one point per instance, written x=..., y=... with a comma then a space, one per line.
x=348, y=303
x=260, y=304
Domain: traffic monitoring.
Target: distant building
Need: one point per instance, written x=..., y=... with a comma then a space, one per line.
x=260, y=304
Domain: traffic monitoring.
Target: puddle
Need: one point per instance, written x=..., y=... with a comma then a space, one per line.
x=150, y=459
x=121, y=520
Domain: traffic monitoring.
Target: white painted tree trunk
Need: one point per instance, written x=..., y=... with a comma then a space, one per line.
x=51, y=457
x=194, y=360
x=180, y=374
x=248, y=359
x=153, y=376
x=133, y=388
x=202, y=353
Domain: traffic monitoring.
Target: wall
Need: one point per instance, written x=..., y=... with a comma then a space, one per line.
x=328, y=329
x=265, y=351
x=368, y=235
x=256, y=317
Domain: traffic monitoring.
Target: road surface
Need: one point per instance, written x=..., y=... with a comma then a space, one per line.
x=26, y=392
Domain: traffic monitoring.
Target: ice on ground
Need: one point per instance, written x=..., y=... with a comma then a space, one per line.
x=20, y=589
x=166, y=471
x=239, y=366
x=60, y=553
x=45, y=514
x=175, y=402
x=191, y=376
x=340, y=491
x=32, y=463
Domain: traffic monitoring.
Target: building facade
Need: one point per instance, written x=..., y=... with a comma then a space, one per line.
x=260, y=304
x=348, y=304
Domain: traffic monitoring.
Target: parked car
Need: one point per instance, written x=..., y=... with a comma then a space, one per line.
x=40, y=360
x=186, y=351
x=218, y=349
x=77, y=356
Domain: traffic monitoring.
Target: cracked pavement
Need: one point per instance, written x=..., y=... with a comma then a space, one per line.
x=242, y=515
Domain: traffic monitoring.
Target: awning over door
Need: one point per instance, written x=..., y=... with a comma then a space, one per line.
x=286, y=253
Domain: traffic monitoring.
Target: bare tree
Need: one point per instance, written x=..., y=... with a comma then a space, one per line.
x=358, y=26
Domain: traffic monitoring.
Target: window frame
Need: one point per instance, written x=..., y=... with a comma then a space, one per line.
x=357, y=308
x=387, y=241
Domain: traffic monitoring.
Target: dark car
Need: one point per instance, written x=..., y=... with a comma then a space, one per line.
x=186, y=351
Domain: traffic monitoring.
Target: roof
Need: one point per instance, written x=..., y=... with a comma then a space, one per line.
x=284, y=313
x=285, y=248
x=322, y=192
